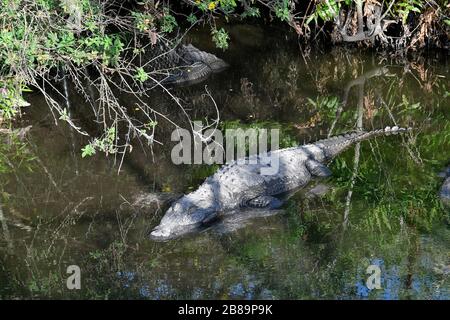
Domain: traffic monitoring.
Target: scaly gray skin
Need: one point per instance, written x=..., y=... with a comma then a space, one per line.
x=445, y=189
x=236, y=186
x=193, y=65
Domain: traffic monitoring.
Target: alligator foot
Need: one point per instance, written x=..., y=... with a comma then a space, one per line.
x=317, y=169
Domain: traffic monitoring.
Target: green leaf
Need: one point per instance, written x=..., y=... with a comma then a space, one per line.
x=192, y=19
x=220, y=38
x=141, y=75
x=88, y=150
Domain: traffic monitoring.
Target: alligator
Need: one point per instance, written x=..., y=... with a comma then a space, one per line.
x=239, y=185
x=445, y=189
x=186, y=64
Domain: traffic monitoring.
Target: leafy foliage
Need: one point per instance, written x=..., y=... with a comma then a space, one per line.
x=44, y=38
x=220, y=38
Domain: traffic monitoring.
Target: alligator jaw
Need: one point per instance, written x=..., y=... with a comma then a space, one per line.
x=161, y=234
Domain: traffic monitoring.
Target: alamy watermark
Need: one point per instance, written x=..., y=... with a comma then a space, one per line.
x=206, y=146
x=74, y=280
x=374, y=280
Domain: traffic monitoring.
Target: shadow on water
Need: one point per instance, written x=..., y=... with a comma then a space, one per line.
x=57, y=209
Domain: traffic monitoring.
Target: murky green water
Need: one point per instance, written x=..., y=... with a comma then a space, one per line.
x=380, y=208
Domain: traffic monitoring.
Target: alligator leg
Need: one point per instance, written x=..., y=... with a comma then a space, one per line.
x=317, y=169
x=264, y=202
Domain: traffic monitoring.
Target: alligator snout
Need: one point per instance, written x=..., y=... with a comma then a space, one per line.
x=159, y=233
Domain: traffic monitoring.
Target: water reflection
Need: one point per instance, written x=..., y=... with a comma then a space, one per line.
x=60, y=210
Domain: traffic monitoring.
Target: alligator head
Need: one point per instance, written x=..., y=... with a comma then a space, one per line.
x=194, y=66
x=190, y=213
x=191, y=54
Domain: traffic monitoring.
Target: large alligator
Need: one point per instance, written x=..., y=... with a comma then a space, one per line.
x=236, y=185
x=186, y=64
x=445, y=189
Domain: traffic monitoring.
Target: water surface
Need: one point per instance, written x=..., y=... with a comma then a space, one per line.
x=381, y=206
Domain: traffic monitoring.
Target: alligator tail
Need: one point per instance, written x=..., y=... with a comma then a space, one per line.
x=335, y=145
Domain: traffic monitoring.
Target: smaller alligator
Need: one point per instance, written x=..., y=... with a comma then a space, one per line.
x=445, y=189
x=240, y=185
x=192, y=65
